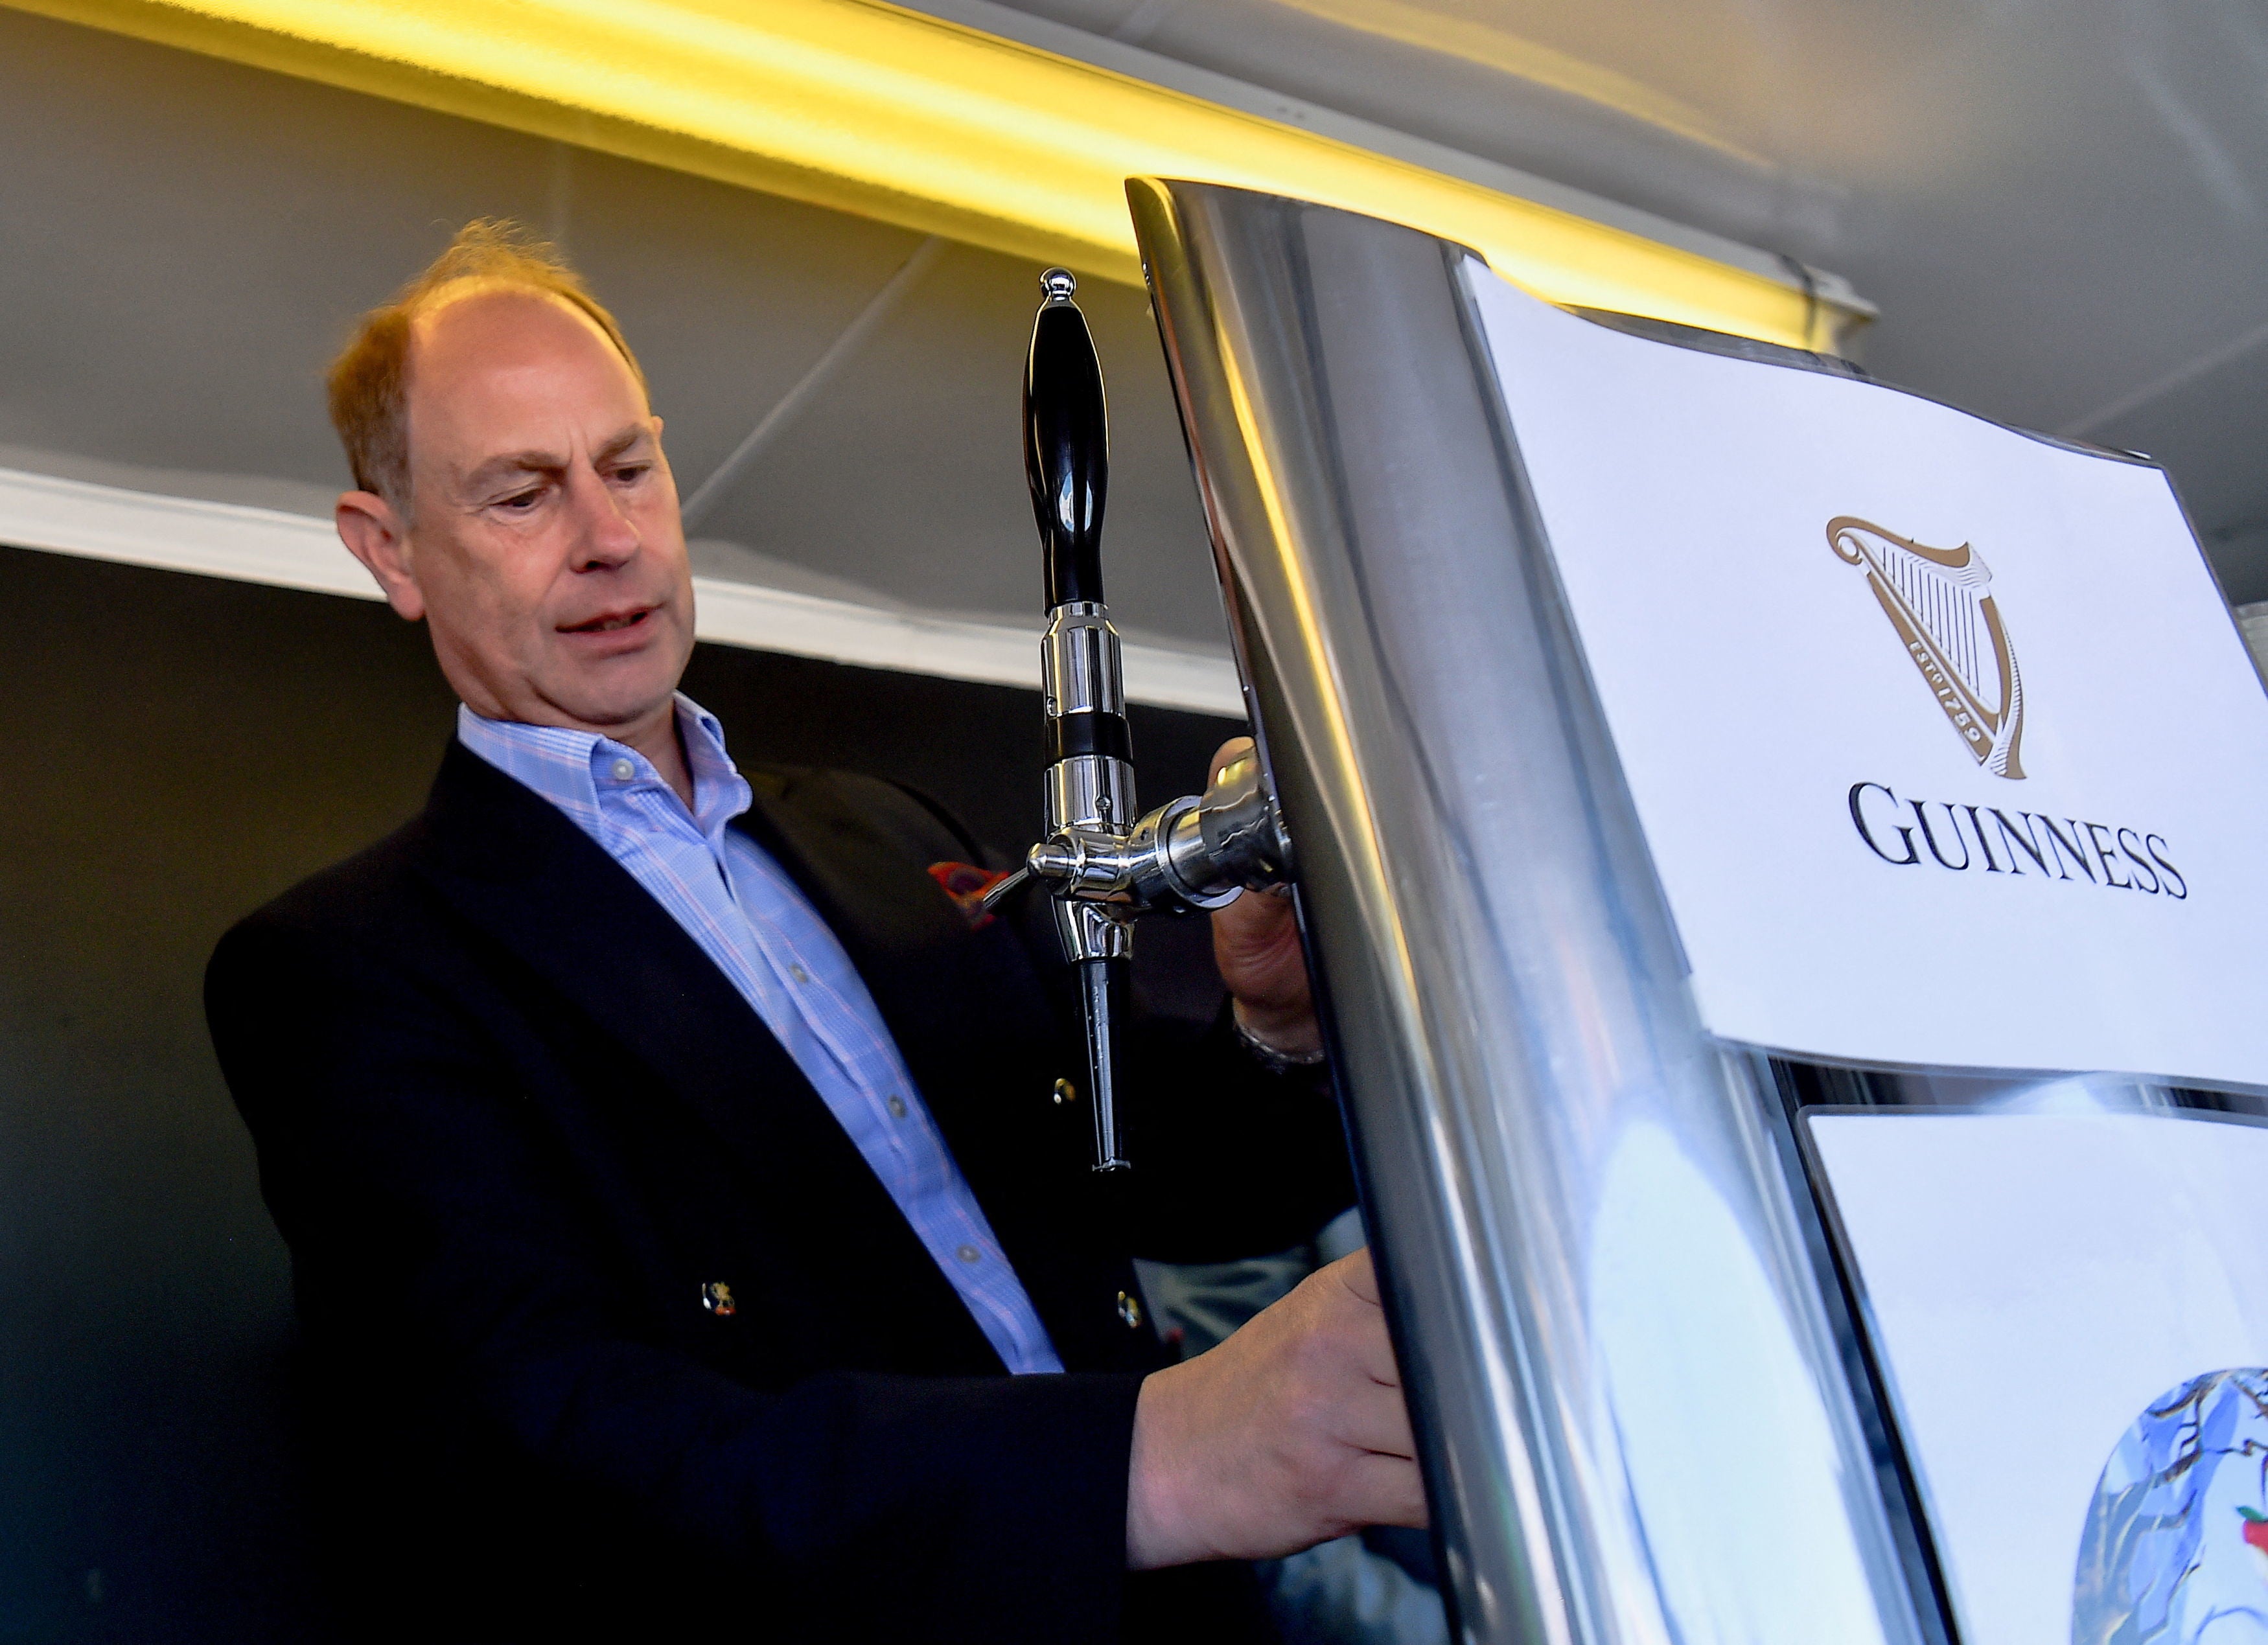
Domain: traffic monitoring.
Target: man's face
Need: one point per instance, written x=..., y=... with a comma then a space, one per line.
x=544, y=543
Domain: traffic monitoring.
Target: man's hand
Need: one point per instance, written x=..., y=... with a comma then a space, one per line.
x=1255, y=942
x=1289, y=1433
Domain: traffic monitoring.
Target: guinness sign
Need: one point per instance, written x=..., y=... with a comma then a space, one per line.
x=2080, y=887
x=1935, y=599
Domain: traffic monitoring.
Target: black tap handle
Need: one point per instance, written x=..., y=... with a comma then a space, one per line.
x=1066, y=444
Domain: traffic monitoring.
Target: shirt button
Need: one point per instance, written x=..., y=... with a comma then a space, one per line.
x=897, y=1107
x=623, y=770
x=798, y=974
x=969, y=1253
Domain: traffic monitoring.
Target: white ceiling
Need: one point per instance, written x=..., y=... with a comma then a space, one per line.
x=185, y=242
x=2061, y=206
x=2060, y=212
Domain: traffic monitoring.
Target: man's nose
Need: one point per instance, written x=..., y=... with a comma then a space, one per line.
x=604, y=536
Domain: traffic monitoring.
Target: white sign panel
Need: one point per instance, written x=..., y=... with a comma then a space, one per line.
x=2073, y=1320
x=1944, y=742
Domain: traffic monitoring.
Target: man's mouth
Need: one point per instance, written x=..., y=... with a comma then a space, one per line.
x=609, y=622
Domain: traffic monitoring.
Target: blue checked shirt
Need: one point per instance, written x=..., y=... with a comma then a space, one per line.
x=734, y=900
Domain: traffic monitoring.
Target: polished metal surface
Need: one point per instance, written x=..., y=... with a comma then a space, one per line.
x=1089, y=790
x=1635, y=1419
x=1185, y=864
x=1197, y=852
x=1089, y=932
x=1059, y=284
x=1240, y=833
x=1103, y=988
x=1079, y=667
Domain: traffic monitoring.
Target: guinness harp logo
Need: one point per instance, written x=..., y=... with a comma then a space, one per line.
x=1936, y=599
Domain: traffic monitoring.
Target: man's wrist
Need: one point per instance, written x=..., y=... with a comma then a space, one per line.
x=1291, y=1040
x=1157, y=1529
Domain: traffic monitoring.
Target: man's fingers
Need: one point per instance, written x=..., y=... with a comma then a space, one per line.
x=1292, y=1431
x=1347, y=1292
x=1355, y=1273
x=1256, y=921
x=1377, y=1421
x=1382, y=1490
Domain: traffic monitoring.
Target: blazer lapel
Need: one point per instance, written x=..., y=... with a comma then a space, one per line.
x=508, y=861
x=976, y=1030
x=955, y=1000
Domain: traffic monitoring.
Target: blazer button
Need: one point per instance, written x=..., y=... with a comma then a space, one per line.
x=1065, y=1091
x=1131, y=1311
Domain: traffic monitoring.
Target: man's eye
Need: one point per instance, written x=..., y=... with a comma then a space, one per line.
x=520, y=501
x=630, y=473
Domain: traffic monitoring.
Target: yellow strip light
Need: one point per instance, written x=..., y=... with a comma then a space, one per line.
x=893, y=115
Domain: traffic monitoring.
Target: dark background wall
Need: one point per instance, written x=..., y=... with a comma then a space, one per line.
x=181, y=749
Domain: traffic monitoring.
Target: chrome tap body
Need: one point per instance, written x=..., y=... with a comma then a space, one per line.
x=1102, y=863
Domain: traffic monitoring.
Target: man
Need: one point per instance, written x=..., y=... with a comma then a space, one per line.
x=672, y=1171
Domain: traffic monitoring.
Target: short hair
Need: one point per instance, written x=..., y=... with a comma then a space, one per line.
x=369, y=383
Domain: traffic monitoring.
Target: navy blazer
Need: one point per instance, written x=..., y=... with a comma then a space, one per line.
x=515, y=1126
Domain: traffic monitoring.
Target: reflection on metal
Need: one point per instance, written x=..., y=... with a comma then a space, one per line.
x=1636, y=1422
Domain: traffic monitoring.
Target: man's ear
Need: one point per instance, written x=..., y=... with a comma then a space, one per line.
x=375, y=535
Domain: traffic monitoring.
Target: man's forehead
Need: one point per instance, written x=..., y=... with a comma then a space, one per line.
x=476, y=322
x=486, y=377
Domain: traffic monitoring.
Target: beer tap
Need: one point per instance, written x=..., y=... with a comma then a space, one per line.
x=1102, y=863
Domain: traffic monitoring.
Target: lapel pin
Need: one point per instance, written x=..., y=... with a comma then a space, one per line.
x=717, y=1298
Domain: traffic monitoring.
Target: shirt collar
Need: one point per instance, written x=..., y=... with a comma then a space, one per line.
x=590, y=776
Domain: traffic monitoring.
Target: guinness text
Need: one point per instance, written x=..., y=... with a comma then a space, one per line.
x=1994, y=840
